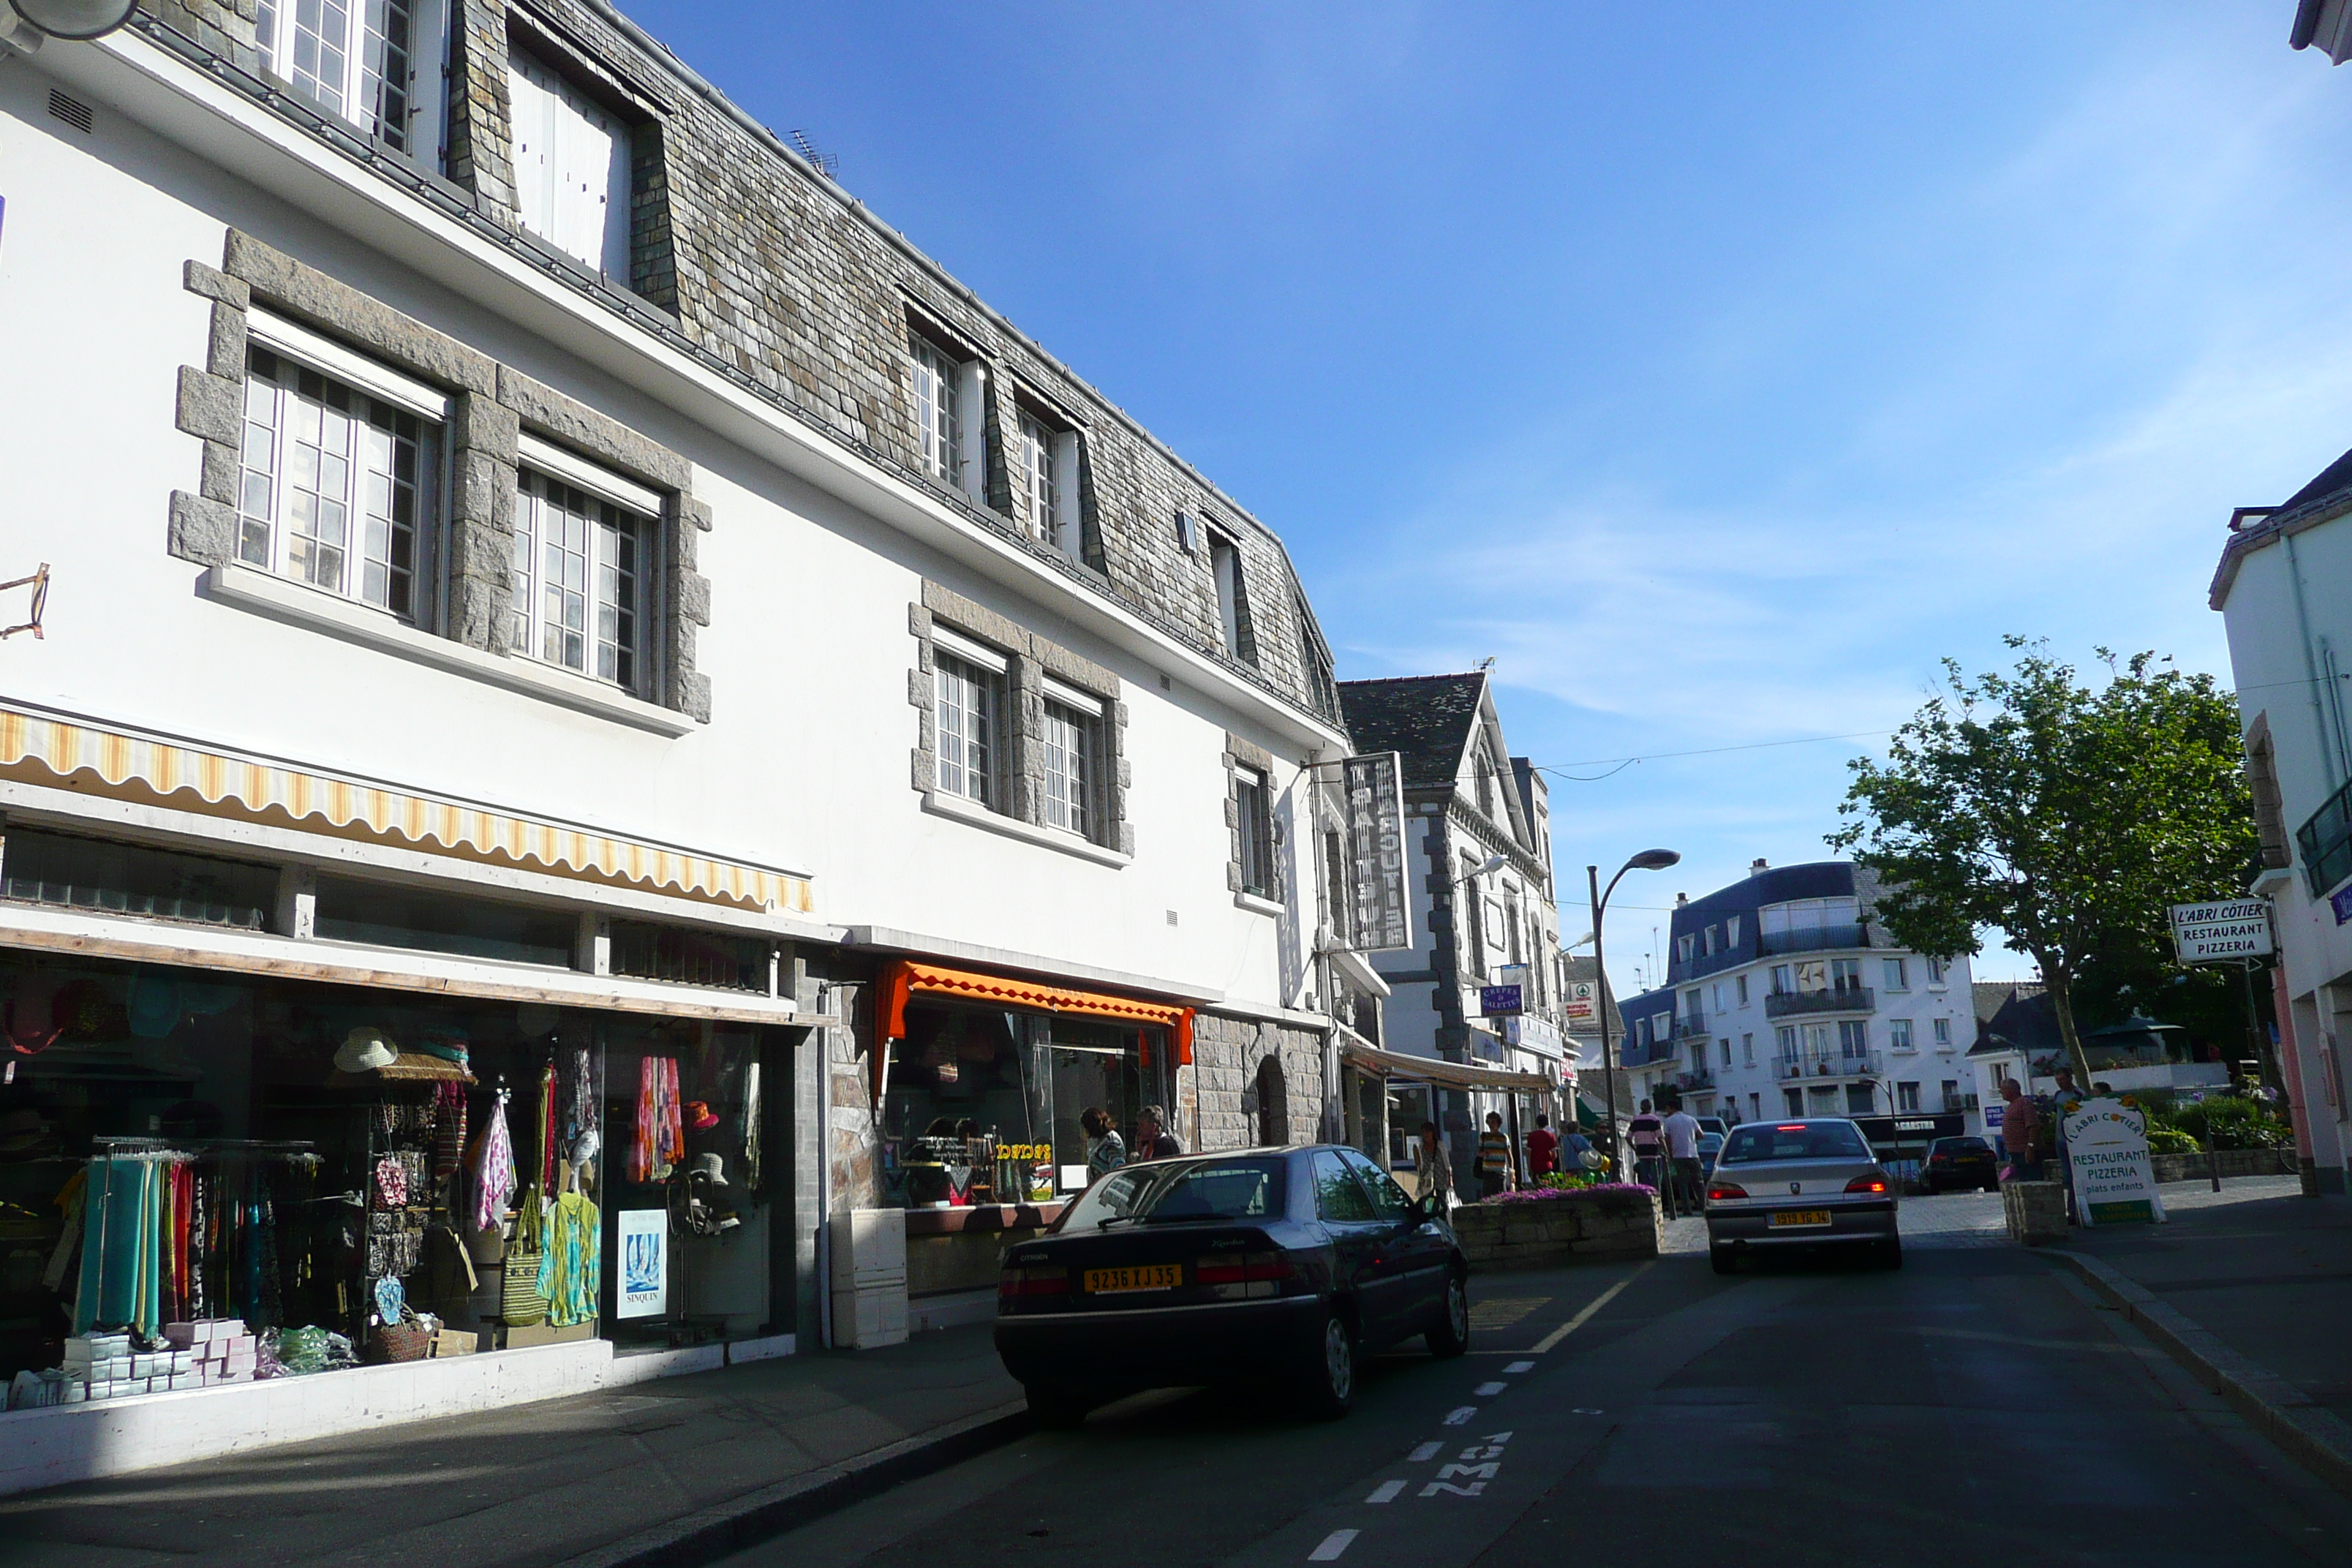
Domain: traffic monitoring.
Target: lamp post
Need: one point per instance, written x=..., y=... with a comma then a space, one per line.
x=1647, y=860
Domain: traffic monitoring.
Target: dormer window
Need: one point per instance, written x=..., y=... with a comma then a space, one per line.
x=357, y=61
x=571, y=165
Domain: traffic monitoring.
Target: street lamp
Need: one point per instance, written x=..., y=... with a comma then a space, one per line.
x=69, y=19
x=1647, y=860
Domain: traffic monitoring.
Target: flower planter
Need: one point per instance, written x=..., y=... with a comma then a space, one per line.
x=1546, y=1229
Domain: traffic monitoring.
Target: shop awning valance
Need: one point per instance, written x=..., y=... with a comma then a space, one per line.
x=58, y=749
x=904, y=977
x=1451, y=1074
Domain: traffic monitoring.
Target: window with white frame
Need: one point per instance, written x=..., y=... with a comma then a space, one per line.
x=580, y=570
x=1906, y=1097
x=1710, y=941
x=1935, y=972
x=1731, y=932
x=1253, y=806
x=968, y=695
x=1783, y=980
x=1898, y=1032
x=1899, y=974
x=338, y=487
x=1747, y=1050
x=358, y=60
x=1070, y=734
x=1786, y=1038
x=1727, y=1051
x=571, y=165
x=939, y=421
x=1853, y=1038
x=1233, y=605
x=1683, y=948
x=1943, y=1031
x=1739, y=984
x=1049, y=476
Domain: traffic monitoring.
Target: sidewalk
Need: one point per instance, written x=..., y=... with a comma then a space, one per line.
x=680, y=1471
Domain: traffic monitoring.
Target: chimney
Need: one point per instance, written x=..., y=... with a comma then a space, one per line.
x=1757, y=867
x=1681, y=898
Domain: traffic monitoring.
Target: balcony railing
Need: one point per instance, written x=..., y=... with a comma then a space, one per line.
x=1814, y=939
x=1863, y=1066
x=1959, y=1102
x=1691, y=1027
x=1702, y=1078
x=1789, y=1003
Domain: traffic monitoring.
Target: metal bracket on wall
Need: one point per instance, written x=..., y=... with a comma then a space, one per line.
x=39, y=583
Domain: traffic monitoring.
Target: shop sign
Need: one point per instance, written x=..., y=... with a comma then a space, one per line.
x=1583, y=1005
x=2223, y=933
x=1535, y=1033
x=2106, y=1149
x=2340, y=900
x=645, y=1264
x=1494, y=1001
x=1381, y=921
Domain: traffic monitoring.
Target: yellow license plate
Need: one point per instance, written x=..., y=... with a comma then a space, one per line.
x=1786, y=1217
x=1150, y=1277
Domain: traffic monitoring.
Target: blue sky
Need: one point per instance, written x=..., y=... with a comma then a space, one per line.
x=1716, y=369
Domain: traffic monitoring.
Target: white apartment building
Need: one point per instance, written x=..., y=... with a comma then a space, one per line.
x=1785, y=998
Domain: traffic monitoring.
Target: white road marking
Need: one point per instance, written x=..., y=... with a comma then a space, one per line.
x=1386, y=1491
x=1518, y=1366
x=1424, y=1454
x=1595, y=1305
x=1586, y=1410
x=1488, y=1390
x=1333, y=1544
x=1461, y=1416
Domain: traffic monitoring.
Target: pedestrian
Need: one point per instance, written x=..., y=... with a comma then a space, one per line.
x=1681, y=1147
x=1433, y=1173
x=1578, y=1157
x=1543, y=1151
x=2066, y=1093
x=1493, y=1157
x=1645, y=1136
x=1152, y=1140
x=2020, y=1132
x=1107, y=1152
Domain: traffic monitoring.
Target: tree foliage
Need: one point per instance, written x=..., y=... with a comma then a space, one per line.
x=2066, y=815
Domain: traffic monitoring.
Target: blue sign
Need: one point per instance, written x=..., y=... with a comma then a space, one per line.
x=1495, y=1000
x=2340, y=900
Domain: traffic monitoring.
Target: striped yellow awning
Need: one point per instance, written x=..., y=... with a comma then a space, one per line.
x=58, y=750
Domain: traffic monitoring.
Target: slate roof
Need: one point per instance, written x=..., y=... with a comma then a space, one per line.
x=2013, y=1016
x=1425, y=718
x=2327, y=497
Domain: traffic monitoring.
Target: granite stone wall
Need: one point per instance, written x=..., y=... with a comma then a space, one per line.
x=1228, y=1056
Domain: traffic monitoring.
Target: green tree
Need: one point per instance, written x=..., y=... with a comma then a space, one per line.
x=2065, y=815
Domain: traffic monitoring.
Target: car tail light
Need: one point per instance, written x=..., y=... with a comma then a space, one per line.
x=1716, y=1190
x=1033, y=1281
x=1940, y=1159
x=1237, y=1268
x=1866, y=1185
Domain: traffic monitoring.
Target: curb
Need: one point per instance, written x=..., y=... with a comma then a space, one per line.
x=708, y=1534
x=2310, y=1432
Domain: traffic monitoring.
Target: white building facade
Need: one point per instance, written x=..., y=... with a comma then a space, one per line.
x=1785, y=998
x=561, y=592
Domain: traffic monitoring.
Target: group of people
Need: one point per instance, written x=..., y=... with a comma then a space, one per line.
x=1666, y=1155
x=1107, y=1151
x=1498, y=1165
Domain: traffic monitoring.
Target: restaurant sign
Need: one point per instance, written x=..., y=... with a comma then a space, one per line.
x=2106, y=1149
x=1381, y=917
x=1582, y=1006
x=2223, y=933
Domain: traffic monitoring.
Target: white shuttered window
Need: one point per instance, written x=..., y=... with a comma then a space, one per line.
x=571, y=167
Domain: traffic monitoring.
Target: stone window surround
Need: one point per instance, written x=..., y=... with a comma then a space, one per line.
x=1030, y=659
x=1240, y=753
x=492, y=406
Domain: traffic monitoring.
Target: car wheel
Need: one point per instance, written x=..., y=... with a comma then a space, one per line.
x=1725, y=1259
x=1056, y=1408
x=1890, y=1253
x=1329, y=1376
x=1451, y=1335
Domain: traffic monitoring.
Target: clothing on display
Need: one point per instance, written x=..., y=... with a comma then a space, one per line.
x=660, y=1142
x=570, y=1267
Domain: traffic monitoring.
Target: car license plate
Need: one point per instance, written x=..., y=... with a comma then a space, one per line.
x=1789, y=1217
x=1149, y=1277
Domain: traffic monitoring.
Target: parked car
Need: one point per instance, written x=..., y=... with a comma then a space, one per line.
x=1710, y=1144
x=1283, y=1263
x=1808, y=1183
x=1959, y=1162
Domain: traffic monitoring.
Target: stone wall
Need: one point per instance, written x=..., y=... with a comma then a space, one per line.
x=2232, y=1162
x=764, y=269
x=1544, y=1233
x=1228, y=1055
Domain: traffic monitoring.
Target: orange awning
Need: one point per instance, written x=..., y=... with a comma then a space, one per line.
x=907, y=976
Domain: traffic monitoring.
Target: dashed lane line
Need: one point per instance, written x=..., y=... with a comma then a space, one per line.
x=1518, y=1366
x=1460, y=1416
x=1585, y=1316
x=1386, y=1491
x=1333, y=1544
x=1424, y=1454
x=1488, y=1390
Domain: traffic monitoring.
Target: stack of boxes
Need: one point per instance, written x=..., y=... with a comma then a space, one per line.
x=214, y=1350
x=107, y=1366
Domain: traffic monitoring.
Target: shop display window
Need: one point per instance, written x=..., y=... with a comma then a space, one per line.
x=986, y=1106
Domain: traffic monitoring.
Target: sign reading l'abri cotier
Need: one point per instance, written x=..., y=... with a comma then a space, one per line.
x=2235, y=928
x=2107, y=1150
x=1382, y=917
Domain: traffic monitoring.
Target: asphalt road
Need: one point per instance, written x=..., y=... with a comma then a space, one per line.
x=1978, y=1406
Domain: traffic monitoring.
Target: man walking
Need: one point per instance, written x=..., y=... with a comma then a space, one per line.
x=2020, y=1132
x=1493, y=1157
x=1645, y=1136
x=1681, y=1131
x=1543, y=1152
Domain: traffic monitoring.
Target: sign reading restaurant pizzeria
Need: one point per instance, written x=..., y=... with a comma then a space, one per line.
x=2106, y=1148
x=2221, y=932
x=1382, y=920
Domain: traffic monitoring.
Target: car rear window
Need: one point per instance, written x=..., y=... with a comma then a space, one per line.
x=1806, y=1141
x=1163, y=1195
x=1966, y=1146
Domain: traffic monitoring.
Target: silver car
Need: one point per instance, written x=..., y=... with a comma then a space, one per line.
x=1805, y=1182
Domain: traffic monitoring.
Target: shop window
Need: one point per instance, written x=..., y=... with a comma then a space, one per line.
x=132, y=879
x=644, y=951
x=386, y=916
x=338, y=486
x=579, y=577
x=571, y=165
